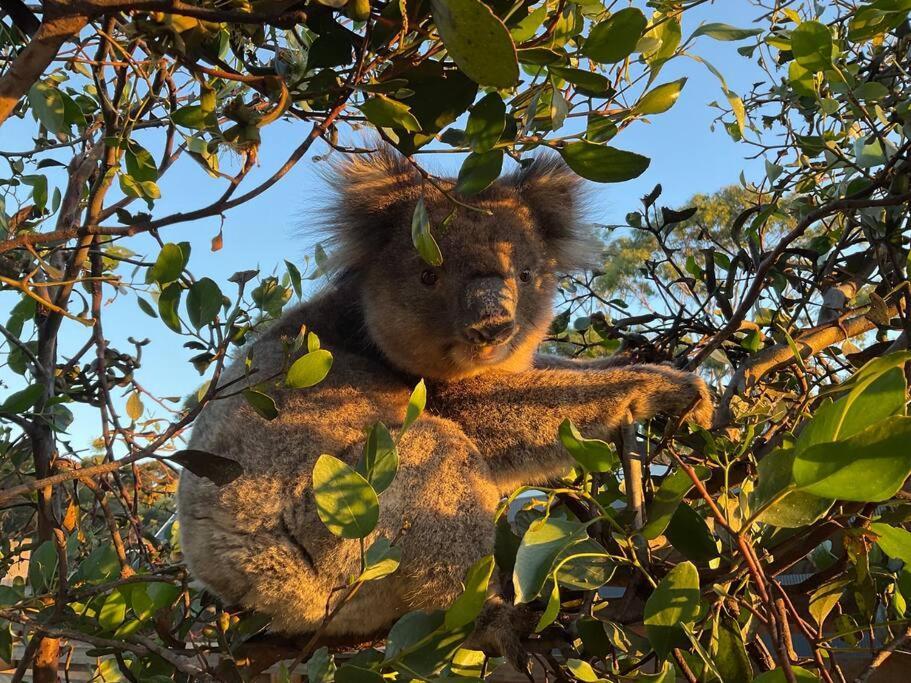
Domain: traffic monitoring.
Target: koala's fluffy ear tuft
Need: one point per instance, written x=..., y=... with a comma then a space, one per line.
x=372, y=193
x=556, y=197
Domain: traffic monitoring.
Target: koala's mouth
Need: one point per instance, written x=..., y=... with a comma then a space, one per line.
x=490, y=353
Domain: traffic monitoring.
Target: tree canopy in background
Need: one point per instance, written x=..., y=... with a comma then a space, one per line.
x=789, y=291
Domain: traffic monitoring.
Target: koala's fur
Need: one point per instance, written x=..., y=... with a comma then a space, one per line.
x=492, y=417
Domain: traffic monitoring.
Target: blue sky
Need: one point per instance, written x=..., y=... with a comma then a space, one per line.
x=687, y=158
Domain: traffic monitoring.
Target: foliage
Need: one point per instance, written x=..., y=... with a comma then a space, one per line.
x=790, y=292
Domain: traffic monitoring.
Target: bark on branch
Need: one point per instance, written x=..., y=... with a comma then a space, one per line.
x=810, y=343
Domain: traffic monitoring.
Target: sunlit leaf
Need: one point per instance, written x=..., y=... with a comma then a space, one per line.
x=309, y=370
x=540, y=546
x=603, y=164
x=384, y=112
x=870, y=466
x=673, y=603
x=381, y=559
x=345, y=501
x=615, y=38
x=594, y=455
x=477, y=41
x=469, y=604
x=811, y=43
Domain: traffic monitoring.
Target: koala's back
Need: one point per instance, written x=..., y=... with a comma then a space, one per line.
x=264, y=519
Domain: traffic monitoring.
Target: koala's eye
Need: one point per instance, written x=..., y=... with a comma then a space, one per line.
x=428, y=278
x=525, y=275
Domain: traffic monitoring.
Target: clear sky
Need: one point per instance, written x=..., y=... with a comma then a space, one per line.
x=687, y=158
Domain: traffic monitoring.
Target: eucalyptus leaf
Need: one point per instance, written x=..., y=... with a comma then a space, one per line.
x=477, y=41
x=672, y=604
x=345, y=501
x=615, y=38
x=216, y=468
x=603, y=164
x=309, y=370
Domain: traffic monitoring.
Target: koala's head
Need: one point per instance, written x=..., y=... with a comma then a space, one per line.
x=490, y=302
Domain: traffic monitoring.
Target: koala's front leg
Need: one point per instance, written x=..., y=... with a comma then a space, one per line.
x=514, y=418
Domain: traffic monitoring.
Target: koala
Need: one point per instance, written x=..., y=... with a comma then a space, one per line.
x=470, y=328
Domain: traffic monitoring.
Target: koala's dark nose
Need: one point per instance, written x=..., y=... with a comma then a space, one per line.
x=489, y=308
x=493, y=332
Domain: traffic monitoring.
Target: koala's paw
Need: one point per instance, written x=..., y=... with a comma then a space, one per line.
x=499, y=631
x=677, y=393
x=703, y=412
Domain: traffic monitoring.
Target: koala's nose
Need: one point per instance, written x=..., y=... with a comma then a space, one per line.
x=489, y=332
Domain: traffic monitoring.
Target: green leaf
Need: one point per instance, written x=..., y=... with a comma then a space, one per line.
x=672, y=490
x=416, y=405
x=551, y=611
x=421, y=236
x=345, y=501
x=261, y=403
x=203, y=302
x=870, y=466
x=895, y=542
x=801, y=675
x=101, y=565
x=381, y=559
x=586, y=82
x=824, y=599
x=811, y=43
x=47, y=103
x=140, y=163
x=540, y=546
x=479, y=171
x=146, y=307
x=673, y=603
x=469, y=604
x=21, y=401
x=875, y=392
x=384, y=112
x=486, y=123
x=583, y=671
x=170, y=263
x=321, y=667
x=729, y=652
x=791, y=509
x=380, y=459
x=6, y=642
x=528, y=27
x=660, y=99
x=295, y=275
x=218, y=469
x=720, y=31
x=168, y=301
x=42, y=567
x=603, y=164
x=410, y=630
x=615, y=38
x=594, y=455
x=309, y=369
x=477, y=41
x=584, y=566
x=131, y=187
x=194, y=116
x=38, y=183
x=113, y=611
x=689, y=534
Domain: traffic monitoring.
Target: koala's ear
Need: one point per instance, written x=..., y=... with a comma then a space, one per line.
x=372, y=195
x=556, y=197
